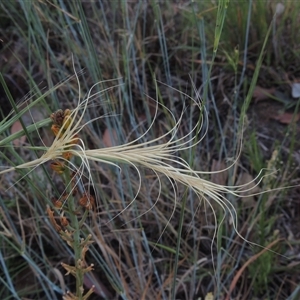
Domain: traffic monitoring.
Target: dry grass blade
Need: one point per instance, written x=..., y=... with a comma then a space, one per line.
x=249, y=261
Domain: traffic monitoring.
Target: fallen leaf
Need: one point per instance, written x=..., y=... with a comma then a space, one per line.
x=287, y=118
x=260, y=93
x=246, y=264
x=14, y=129
x=247, y=198
x=109, y=138
x=219, y=176
x=34, y=115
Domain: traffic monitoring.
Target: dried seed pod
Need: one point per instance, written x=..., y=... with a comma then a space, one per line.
x=58, y=167
x=64, y=221
x=87, y=201
x=57, y=203
x=61, y=119
x=67, y=155
x=67, y=118
x=58, y=117
x=55, y=129
x=52, y=219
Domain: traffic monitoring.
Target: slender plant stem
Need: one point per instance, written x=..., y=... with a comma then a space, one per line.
x=76, y=236
x=181, y=219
